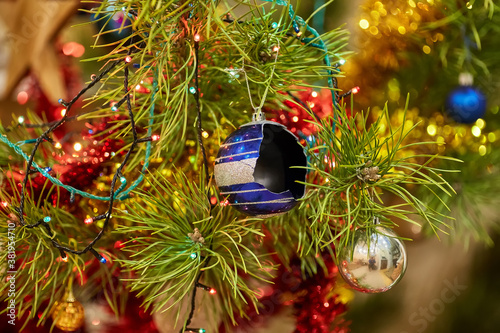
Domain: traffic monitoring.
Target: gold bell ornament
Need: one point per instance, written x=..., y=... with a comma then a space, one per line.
x=68, y=314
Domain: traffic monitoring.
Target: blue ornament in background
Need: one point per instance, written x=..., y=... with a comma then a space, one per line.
x=466, y=104
x=255, y=169
x=110, y=25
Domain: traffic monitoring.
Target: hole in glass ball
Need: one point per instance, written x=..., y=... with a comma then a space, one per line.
x=279, y=152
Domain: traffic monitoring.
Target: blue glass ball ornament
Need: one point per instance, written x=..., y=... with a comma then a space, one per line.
x=466, y=104
x=373, y=262
x=255, y=169
x=109, y=25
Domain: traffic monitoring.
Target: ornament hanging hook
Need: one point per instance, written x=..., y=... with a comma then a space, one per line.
x=465, y=79
x=258, y=115
x=70, y=297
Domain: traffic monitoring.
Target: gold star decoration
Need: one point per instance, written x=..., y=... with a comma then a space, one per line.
x=29, y=28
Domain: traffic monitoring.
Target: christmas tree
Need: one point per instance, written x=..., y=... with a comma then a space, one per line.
x=180, y=195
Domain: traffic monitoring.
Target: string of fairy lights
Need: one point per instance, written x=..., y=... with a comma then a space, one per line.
x=119, y=194
x=199, y=127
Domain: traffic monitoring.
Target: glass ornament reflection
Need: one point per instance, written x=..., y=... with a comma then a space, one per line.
x=373, y=262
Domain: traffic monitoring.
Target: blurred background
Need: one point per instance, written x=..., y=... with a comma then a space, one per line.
x=408, y=48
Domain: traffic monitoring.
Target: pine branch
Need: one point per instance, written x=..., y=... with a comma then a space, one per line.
x=42, y=274
x=222, y=46
x=167, y=261
x=352, y=168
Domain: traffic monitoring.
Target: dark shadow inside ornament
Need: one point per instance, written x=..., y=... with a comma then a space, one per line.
x=278, y=153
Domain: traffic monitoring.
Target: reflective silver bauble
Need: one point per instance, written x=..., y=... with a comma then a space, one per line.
x=373, y=263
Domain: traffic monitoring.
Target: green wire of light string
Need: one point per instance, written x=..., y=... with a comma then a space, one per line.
x=319, y=18
x=118, y=194
x=148, y=145
x=318, y=44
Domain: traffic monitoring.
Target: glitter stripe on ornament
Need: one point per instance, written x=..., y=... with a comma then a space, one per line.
x=237, y=157
x=254, y=198
x=252, y=189
x=238, y=172
x=262, y=202
x=235, y=143
x=246, y=191
x=245, y=132
x=237, y=148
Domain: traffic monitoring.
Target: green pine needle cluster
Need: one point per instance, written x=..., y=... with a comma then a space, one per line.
x=165, y=259
x=354, y=166
x=469, y=46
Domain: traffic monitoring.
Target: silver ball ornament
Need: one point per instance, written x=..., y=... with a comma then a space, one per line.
x=373, y=262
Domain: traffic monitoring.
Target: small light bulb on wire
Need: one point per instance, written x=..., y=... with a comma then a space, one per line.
x=211, y=290
x=128, y=59
x=119, y=245
x=98, y=256
x=196, y=37
x=77, y=146
x=355, y=90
